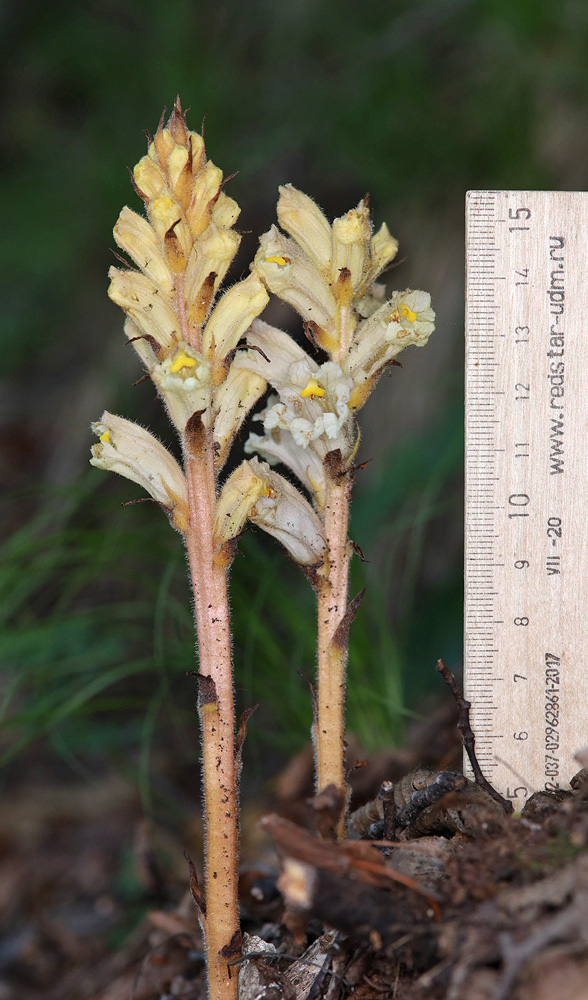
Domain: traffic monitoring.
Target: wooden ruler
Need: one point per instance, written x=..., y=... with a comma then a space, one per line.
x=526, y=518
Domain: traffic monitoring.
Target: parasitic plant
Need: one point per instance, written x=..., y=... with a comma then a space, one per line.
x=211, y=360
x=187, y=343
x=328, y=273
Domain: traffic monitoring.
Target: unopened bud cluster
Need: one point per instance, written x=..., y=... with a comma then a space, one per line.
x=186, y=341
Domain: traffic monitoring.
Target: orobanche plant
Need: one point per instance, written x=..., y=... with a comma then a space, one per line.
x=211, y=361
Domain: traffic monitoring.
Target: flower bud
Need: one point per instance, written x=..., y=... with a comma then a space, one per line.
x=303, y=219
x=206, y=188
x=229, y=320
x=176, y=166
x=232, y=402
x=144, y=302
x=235, y=503
x=136, y=237
x=384, y=248
x=225, y=211
x=162, y=145
x=351, y=241
x=149, y=178
x=165, y=215
x=211, y=255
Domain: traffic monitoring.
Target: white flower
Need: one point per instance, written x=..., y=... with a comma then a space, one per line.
x=407, y=318
x=310, y=414
x=183, y=380
x=313, y=403
x=283, y=512
x=412, y=320
x=134, y=453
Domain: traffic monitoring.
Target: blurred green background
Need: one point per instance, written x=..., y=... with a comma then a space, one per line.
x=414, y=102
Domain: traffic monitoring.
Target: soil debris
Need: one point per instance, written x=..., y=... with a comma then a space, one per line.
x=439, y=893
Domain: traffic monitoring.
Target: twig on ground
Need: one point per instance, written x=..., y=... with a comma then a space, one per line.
x=467, y=736
x=386, y=794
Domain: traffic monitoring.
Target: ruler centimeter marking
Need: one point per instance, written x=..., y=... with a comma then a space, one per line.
x=526, y=507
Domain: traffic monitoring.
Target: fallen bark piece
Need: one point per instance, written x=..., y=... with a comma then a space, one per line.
x=423, y=860
x=550, y=892
x=345, y=885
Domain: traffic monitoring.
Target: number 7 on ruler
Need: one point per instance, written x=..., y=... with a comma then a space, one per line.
x=526, y=504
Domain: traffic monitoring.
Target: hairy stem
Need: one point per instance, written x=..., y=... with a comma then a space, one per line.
x=209, y=581
x=329, y=729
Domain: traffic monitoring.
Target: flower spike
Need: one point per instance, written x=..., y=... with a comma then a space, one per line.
x=189, y=347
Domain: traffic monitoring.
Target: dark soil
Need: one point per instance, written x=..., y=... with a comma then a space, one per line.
x=468, y=903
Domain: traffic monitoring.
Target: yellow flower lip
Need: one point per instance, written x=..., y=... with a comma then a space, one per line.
x=403, y=312
x=276, y=259
x=105, y=437
x=312, y=389
x=182, y=360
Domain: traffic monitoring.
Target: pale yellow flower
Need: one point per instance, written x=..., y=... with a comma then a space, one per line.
x=131, y=451
x=407, y=318
x=230, y=318
x=256, y=493
x=289, y=273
